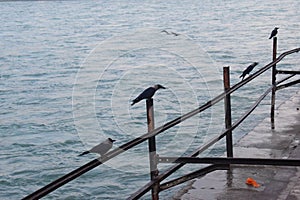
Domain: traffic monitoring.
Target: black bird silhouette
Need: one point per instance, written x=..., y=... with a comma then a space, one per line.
x=169, y=33
x=164, y=31
x=147, y=94
x=176, y=34
x=101, y=148
x=274, y=32
x=248, y=70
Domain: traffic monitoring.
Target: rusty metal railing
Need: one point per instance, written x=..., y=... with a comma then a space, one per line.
x=157, y=178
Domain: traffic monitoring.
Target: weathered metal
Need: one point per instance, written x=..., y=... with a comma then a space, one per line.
x=286, y=78
x=288, y=84
x=273, y=83
x=288, y=72
x=226, y=160
x=152, y=149
x=227, y=107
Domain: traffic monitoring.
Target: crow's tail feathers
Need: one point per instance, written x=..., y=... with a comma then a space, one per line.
x=135, y=101
x=86, y=152
x=242, y=76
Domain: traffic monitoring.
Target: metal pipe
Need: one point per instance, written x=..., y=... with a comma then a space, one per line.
x=287, y=84
x=274, y=84
x=152, y=149
x=284, y=79
x=227, y=107
x=287, y=72
x=224, y=161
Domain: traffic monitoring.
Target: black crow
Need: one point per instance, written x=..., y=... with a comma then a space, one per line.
x=274, y=32
x=248, y=70
x=148, y=93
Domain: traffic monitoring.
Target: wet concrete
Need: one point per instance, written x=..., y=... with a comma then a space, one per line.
x=276, y=183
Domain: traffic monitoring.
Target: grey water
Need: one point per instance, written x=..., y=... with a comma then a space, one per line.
x=69, y=70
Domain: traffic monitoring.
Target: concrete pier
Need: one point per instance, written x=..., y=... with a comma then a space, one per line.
x=276, y=183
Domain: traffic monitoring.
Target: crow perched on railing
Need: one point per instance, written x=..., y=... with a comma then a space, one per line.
x=274, y=32
x=147, y=94
x=101, y=148
x=248, y=70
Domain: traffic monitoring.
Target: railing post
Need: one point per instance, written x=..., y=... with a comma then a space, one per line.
x=227, y=106
x=152, y=148
x=273, y=84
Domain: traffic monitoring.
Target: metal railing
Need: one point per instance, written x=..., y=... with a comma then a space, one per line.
x=155, y=184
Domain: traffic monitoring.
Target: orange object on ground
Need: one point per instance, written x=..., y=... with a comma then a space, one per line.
x=251, y=181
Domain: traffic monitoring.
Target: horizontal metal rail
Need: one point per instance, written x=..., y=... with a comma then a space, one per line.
x=286, y=78
x=279, y=87
x=96, y=162
x=287, y=72
x=229, y=161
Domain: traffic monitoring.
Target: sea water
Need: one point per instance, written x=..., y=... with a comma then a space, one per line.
x=69, y=70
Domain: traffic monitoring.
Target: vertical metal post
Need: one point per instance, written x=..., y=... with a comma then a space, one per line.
x=152, y=148
x=273, y=84
x=227, y=105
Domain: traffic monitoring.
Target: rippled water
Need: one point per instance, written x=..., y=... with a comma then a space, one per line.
x=69, y=70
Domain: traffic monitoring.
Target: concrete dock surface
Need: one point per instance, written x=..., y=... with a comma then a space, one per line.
x=276, y=183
